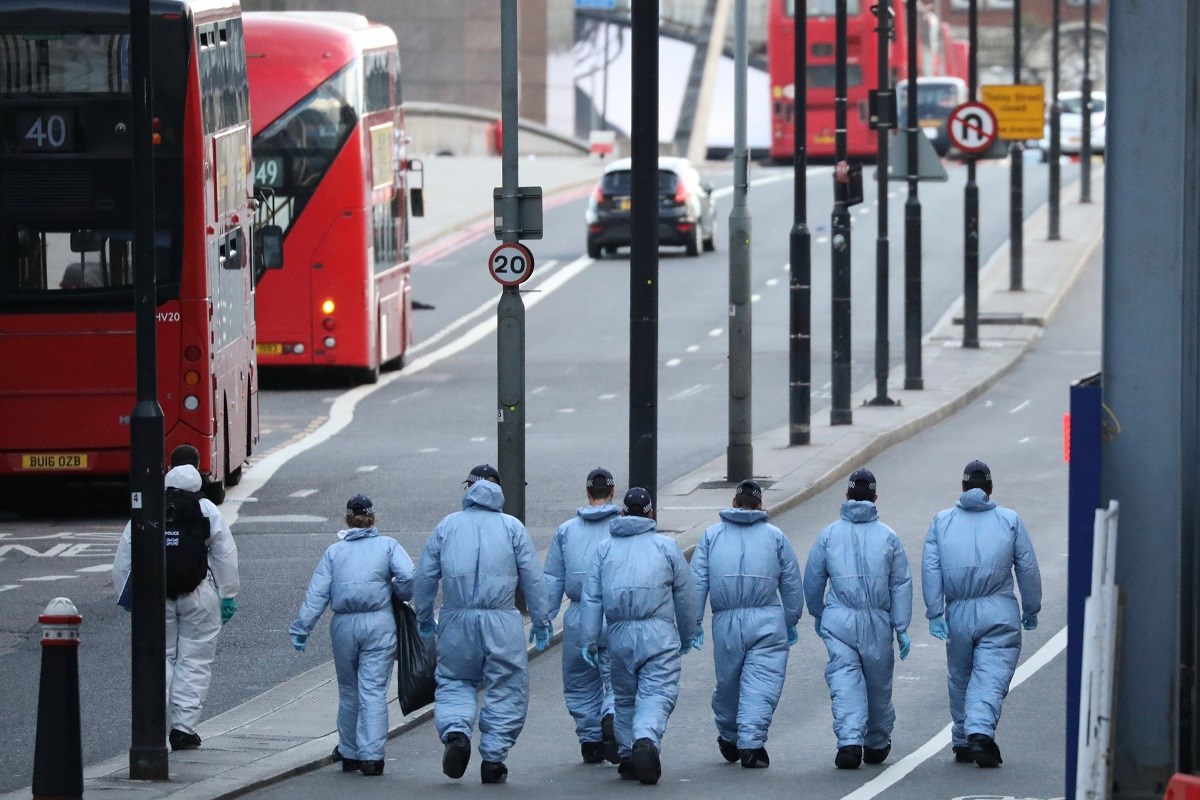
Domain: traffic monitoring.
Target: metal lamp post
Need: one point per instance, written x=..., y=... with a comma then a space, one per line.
x=800, y=246
x=912, y=221
x=840, y=413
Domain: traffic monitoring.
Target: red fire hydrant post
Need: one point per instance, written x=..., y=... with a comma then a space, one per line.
x=58, y=749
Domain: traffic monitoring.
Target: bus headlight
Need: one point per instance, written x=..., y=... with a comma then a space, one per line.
x=191, y=402
x=330, y=342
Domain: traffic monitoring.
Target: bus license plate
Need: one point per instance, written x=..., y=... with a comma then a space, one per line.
x=53, y=461
x=269, y=348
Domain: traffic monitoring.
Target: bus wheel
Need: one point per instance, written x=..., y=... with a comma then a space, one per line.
x=234, y=477
x=215, y=492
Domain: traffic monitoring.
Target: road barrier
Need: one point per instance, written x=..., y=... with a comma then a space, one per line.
x=58, y=750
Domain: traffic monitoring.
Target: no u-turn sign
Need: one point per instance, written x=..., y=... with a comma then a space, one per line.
x=972, y=127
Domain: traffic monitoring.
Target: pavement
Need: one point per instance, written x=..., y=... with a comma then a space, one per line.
x=290, y=729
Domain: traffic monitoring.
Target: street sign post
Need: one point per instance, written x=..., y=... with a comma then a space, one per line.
x=1020, y=109
x=972, y=127
x=511, y=264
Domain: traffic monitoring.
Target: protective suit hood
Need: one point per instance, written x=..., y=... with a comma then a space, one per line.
x=351, y=534
x=597, y=513
x=485, y=494
x=975, y=500
x=632, y=526
x=183, y=477
x=859, y=511
x=743, y=516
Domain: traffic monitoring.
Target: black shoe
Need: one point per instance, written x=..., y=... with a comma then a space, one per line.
x=493, y=772
x=370, y=767
x=183, y=741
x=348, y=764
x=646, y=765
x=456, y=756
x=848, y=757
x=962, y=754
x=729, y=750
x=873, y=756
x=984, y=751
x=592, y=752
x=755, y=759
x=626, y=771
x=608, y=734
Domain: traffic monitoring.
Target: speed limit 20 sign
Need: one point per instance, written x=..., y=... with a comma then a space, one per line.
x=511, y=264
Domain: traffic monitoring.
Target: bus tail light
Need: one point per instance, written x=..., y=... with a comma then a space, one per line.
x=192, y=353
x=191, y=402
x=327, y=307
x=328, y=323
x=191, y=378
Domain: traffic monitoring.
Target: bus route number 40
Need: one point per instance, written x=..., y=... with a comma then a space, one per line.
x=511, y=264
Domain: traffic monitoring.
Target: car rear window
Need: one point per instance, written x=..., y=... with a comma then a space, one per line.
x=620, y=182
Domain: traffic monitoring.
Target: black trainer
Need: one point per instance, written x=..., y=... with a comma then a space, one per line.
x=962, y=754
x=608, y=734
x=592, y=752
x=984, y=751
x=371, y=767
x=872, y=755
x=729, y=750
x=348, y=764
x=848, y=757
x=645, y=762
x=755, y=759
x=456, y=756
x=493, y=772
x=181, y=740
x=626, y=771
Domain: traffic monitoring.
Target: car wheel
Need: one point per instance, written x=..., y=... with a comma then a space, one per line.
x=693, y=246
x=710, y=244
x=593, y=250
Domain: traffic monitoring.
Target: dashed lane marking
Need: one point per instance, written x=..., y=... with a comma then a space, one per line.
x=96, y=568
x=674, y=362
x=566, y=411
x=367, y=468
x=1021, y=407
x=47, y=578
x=427, y=450
x=688, y=392
x=303, y=493
x=607, y=397
x=754, y=298
x=773, y=281
x=478, y=438
x=715, y=332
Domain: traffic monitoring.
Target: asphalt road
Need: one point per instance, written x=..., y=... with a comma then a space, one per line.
x=411, y=442
x=1017, y=427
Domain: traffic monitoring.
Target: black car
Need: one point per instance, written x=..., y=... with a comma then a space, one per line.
x=685, y=209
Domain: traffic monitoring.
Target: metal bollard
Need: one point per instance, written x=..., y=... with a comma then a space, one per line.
x=58, y=749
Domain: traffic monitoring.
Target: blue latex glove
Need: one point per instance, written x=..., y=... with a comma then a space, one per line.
x=427, y=630
x=697, y=640
x=939, y=629
x=904, y=642
x=540, y=636
x=685, y=647
x=1029, y=622
x=817, y=625
x=793, y=635
x=589, y=655
x=299, y=642
x=228, y=607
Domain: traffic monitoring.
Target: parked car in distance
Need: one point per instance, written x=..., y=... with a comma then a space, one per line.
x=1070, y=123
x=936, y=98
x=685, y=208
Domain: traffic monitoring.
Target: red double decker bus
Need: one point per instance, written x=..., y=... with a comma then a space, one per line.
x=331, y=171
x=66, y=236
x=936, y=55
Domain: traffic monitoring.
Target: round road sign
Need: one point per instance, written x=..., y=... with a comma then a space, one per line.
x=511, y=264
x=972, y=127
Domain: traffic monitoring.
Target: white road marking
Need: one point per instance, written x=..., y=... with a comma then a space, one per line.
x=1023, y=441
x=988, y=404
x=674, y=362
x=328, y=399
x=893, y=774
x=688, y=392
x=787, y=267
x=715, y=332
x=342, y=412
x=8, y=587
x=822, y=239
x=427, y=450
x=754, y=298
x=408, y=396
x=1021, y=407
x=303, y=493
x=693, y=348
x=290, y=518
x=478, y=438
x=566, y=411
x=528, y=424
x=367, y=468
x=607, y=397
x=96, y=568
x=773, y=281
x=41, y=578
x=864, y=211
x=538, y=390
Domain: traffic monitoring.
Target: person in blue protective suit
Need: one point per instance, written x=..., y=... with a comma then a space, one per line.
x=869, y=599
x=356, y=578
x=640, y=584
x=586, y=689
x=745, y=566
x=480, y=555
x=971, y=552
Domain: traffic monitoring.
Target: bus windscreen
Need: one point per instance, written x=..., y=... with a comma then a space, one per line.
x=822, y=8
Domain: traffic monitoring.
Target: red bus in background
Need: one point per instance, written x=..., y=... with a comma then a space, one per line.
x=936, y=55
x=331, y=171
x=66, y=237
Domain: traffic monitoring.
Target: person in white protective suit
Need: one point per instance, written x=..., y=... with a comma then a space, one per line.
x=202, y=584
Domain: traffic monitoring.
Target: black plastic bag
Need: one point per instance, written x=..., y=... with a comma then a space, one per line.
x=416, y=659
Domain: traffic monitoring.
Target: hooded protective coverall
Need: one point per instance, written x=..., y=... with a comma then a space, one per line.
x=971, y=551
x=480, y=554
x=193, y=619
x=869, y=598
x=356, y=578
x=746, y=565
x=586, y=689
x=639, y=582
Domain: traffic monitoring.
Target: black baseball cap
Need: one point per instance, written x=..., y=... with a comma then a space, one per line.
x=862, y=478
x=637, y=501
x=977, y=471
x=749, y=488
x=600, y=478
x=360, y=504
x=482, y=472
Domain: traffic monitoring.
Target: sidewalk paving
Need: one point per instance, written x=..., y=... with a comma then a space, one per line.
x=290, y=729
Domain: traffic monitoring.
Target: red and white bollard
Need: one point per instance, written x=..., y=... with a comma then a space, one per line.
x=58, y=749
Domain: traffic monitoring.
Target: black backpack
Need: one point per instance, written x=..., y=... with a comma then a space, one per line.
x=185, y=542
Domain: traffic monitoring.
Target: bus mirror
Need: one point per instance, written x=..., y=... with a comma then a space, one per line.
x=417, y=204
x=86, y=242
x=269, y=249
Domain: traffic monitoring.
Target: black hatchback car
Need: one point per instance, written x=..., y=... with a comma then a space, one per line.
x=685, y=209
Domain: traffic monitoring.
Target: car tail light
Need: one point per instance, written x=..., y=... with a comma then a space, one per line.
x=681, y=193
x=595, y=229
x=685, y=227
x=598, y=194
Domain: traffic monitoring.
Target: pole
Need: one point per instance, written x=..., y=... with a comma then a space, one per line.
x=1016, y=193
x=739, y=457
x=800, y=247
x=148, y=627
x=58, y=746
x=1055, y=130
x=510, y=312
x=840, y=413
x=604, y=83
x=883, y=76
x=1085, y=134
x=643, y=252
x=971, y=205
x=913, y=378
